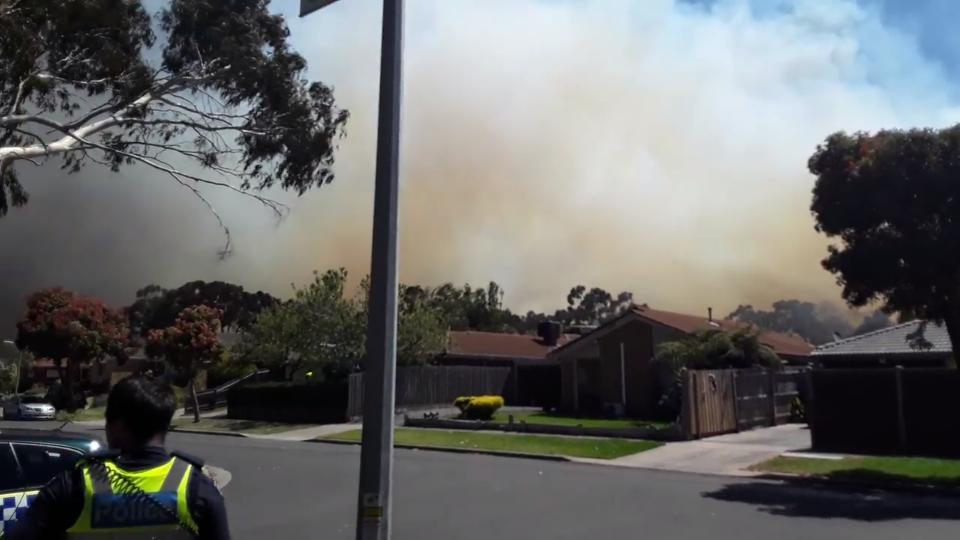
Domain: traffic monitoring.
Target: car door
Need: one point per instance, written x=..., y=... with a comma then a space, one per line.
x=14, y=498
x=40, y=462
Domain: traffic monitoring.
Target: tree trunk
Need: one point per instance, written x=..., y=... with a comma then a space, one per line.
x=193, y=396
x=68, y=381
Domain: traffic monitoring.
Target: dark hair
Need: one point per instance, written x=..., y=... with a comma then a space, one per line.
x=144, y=405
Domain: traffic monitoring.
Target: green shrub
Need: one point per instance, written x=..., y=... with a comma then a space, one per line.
x=462, y=402
x=482, y=407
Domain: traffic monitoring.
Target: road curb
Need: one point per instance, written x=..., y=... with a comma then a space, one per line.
x=822, y=482
x=521, y=455
x=207, y=432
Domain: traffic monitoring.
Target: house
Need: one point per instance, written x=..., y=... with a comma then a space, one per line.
x=887, y=347
x=534, y=377
x=611, y=368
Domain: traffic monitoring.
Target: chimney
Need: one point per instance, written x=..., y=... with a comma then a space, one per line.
x=710, y=314
x=549, y=332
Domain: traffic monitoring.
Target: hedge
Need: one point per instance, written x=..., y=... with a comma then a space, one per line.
x=479, y=407
x=317, y=402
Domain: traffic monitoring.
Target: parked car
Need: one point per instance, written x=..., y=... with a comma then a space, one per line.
x=28, y=408
x=30, y=458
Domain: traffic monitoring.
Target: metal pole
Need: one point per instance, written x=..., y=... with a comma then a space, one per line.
x=376, y=453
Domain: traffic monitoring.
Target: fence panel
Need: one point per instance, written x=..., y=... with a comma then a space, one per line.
x=930, y=401
x=854, y=410
x=764, y=397
x=753, y=399
x=709, y=403
x=434, y=385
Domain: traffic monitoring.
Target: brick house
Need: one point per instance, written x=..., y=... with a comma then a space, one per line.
x=534, y=377
x=611, y=368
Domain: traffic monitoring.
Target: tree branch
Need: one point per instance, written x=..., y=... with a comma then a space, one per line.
x=77, y=141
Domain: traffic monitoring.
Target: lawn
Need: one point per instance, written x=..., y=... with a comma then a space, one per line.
x=529, y=444
x=549, y=419
x=79, y=415
x=233, y=425
x=898, y=470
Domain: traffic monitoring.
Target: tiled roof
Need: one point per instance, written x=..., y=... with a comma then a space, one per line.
x=783, y=344
x=890, y=340
x=495, y=345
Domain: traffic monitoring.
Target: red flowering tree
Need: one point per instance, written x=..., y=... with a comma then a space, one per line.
x=191, y=343
x=71, y=330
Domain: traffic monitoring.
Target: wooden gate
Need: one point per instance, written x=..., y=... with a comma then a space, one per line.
x=709, y=404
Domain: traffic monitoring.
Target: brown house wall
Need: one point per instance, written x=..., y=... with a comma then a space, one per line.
x=641, y=385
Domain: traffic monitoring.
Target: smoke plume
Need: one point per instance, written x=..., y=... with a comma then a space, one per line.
x=658, y=147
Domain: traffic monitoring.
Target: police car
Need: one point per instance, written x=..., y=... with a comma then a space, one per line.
x=30, y=458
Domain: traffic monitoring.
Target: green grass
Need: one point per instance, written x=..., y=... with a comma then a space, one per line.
x=895, y=470
x=79, y=415
x=530, y=444
x=233, y=425
x=548, y=419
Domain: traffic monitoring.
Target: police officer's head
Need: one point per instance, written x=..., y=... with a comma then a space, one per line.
x=139, y=411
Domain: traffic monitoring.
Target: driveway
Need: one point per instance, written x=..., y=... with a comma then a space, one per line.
x=726, y=454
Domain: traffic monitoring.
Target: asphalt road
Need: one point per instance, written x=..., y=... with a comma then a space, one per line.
x=308, y=490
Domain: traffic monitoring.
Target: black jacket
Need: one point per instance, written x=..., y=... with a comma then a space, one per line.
x=59, y=503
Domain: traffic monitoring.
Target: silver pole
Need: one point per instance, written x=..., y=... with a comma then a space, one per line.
x=376, y=453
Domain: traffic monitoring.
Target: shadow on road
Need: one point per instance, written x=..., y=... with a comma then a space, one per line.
x=786, y=499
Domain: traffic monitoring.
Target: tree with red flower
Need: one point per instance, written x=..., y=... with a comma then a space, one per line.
x=193, y=342
x=71, y=330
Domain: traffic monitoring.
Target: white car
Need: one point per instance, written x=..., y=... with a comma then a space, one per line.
x=28, y=408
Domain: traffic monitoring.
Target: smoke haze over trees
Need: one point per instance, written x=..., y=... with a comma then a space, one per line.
x=498, y=184
x=817, y=323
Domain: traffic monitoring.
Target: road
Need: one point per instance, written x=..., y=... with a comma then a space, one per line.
x=308, y=490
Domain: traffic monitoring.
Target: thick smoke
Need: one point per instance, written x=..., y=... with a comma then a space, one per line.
x=654, y=146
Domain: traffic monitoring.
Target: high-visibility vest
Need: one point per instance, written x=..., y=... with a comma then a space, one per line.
x=144, y=504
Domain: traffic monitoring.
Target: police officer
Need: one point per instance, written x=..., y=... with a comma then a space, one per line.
x=134, y=490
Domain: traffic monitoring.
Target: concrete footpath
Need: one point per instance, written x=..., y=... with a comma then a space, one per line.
x=306, y=434
x=729, y=455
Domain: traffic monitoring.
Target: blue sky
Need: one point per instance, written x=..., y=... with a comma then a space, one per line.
x=931, y=24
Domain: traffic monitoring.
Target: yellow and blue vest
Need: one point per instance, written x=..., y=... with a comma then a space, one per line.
x=151, y=503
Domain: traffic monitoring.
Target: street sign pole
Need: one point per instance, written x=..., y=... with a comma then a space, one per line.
x=376, y=452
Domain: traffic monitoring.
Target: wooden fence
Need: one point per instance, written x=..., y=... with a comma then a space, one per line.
x=434, y=385
x=891, y=411
x=729, y=400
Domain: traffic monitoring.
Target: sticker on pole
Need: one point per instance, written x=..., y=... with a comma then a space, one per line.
x=372, y=511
